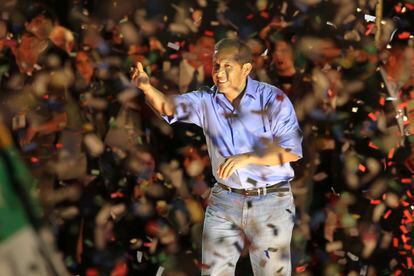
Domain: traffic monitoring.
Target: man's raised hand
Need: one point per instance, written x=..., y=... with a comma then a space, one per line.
x=140, y=78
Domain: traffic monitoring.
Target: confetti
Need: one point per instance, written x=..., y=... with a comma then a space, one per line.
x=369, y=18
x=174, y=46
x=160, y=271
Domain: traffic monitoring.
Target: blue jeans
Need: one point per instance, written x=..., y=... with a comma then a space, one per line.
x=264, y=223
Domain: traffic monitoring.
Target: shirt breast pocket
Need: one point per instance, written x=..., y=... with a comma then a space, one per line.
x=262, y=138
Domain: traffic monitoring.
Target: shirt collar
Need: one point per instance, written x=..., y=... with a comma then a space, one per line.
x=251, y=87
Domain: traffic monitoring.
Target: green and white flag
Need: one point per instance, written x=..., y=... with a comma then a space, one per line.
x=25, y=247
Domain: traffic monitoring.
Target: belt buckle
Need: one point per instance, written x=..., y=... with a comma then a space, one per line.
x=245, y=192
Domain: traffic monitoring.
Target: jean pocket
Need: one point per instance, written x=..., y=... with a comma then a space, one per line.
x=281, y=194
x=216, y=190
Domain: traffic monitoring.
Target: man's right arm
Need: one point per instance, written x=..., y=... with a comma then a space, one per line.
x=159, y=101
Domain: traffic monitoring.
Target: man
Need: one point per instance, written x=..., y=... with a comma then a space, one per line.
x=196, y=64
x=252, y=134
x=259, y=53
x=283, y=72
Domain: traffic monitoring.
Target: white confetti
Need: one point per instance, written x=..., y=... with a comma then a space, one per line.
x=352, y=256
x=174, y=46
x=160, y=271
x=369, y=18
x=139, y=256
x=331, y=24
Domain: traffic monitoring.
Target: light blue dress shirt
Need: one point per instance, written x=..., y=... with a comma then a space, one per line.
x=264, y=113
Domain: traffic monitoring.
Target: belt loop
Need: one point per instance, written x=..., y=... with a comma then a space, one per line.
x=258, y=191
x=264, y=191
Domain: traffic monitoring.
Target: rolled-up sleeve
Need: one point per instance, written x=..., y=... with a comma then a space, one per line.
x=284, y=124
x=188, y=109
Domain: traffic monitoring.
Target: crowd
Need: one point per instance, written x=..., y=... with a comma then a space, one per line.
x=125, y=194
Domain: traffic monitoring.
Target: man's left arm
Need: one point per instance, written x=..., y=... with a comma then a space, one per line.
x=287, y=144
x=273, y=155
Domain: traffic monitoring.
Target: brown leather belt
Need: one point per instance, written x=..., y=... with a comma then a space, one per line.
x=279, y=187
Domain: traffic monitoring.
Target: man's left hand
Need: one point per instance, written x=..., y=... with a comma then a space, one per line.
x=233, y=163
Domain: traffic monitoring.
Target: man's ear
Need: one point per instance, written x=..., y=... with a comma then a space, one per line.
x=247, y=68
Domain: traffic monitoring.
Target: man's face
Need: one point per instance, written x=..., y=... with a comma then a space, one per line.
x=283, y=56
x=205, y=48
x=228, y=75
x=257, y=50
x=40, y=26
x=201, y=52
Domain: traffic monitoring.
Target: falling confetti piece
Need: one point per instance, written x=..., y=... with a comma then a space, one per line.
x=139, y=256
x=160, y=271
x=174, y=46
x=369, y=18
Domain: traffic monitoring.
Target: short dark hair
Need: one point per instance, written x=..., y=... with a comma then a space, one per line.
x=38, y=9
x=244, y=54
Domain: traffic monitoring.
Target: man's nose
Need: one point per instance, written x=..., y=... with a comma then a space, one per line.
x=220, y=72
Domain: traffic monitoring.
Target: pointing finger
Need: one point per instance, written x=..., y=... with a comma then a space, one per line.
x=140, y=67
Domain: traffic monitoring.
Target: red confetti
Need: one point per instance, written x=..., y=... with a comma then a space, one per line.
x=409, y=6
x=200, y=265
x=250, y=16
x=372, y=145
x=362, y=168
x=382, y=101
x=173, y=56
x=409, y=262
x=375, y=201
x=117, y=195
x=406, y=180
x=34, y=159
x=395, y=242
x=300, y=269
x=372, y=116
x=404, y=35
x=398, y=8
x=264, y=14
x=387, y=214
x=370, y=29
x=280, y=97
x=209, y=33
x=147, y=244
x=391, y=153
x=92, y=272
x=404, y=229
x=120, y=269
x=408, y=215
x=402, y=105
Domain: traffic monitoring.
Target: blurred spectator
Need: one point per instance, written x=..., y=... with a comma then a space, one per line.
x=283, y=72
x=260, y=56
x=196, y=65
